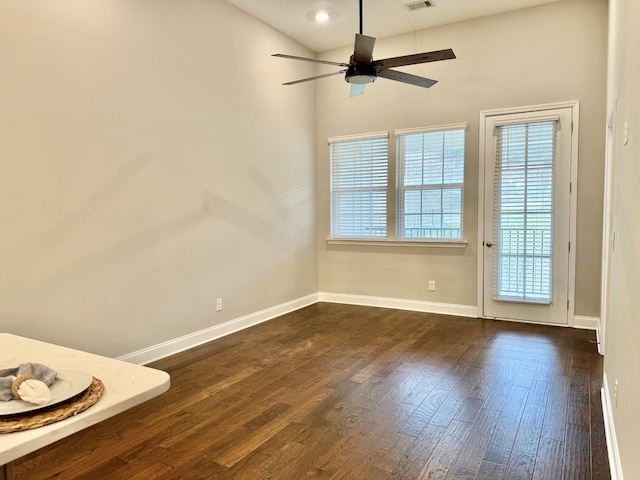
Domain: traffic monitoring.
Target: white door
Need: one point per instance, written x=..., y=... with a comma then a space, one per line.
x=527, y=215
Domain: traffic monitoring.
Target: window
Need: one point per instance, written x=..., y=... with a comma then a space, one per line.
x=428, y=197
x=430, y=183
x=523, y=224
x=359, y=186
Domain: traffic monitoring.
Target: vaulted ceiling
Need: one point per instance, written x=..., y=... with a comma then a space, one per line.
x=382, y=18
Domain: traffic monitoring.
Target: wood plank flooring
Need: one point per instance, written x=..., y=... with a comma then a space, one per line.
x=348, y=392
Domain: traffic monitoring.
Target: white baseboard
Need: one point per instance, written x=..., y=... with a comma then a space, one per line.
x=586, y=323
x=401, y=304
x=180, y=344
x=162, y=350
x=610, y=431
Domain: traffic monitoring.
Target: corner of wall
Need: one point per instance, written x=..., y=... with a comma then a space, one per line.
x=180, y=344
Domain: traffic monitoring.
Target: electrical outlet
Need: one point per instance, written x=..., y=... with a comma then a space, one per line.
x=432, y=285
x=615, y=392
x=218, y=304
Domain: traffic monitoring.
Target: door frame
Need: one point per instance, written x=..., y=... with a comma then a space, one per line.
x=573, y=206
x=608, y=232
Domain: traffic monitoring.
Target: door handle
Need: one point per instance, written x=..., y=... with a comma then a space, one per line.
x=489, y=244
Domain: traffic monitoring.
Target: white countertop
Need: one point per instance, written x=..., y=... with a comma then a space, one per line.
x=125, y=386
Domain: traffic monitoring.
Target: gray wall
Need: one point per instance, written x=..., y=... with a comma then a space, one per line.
x=150, y=163
x=552, y=53
x=147, y=171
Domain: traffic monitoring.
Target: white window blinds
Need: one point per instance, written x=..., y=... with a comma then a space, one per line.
x=430, y=183
x=523, y=211
x=359, y=186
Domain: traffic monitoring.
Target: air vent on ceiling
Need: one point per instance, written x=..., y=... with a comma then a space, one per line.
x=413, y=5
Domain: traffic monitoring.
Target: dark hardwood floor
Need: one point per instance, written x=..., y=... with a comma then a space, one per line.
x=347, y=392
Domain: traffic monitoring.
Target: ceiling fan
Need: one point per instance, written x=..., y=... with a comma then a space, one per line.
x=363, y=69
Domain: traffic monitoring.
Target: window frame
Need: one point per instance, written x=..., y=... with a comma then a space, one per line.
x=335, y=192
x=392, y=192
x=401, y=187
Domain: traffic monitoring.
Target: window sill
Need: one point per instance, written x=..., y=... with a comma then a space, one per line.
x=398, y=243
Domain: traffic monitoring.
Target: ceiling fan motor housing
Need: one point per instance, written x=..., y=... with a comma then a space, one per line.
x=361, y=74
x=362, y=69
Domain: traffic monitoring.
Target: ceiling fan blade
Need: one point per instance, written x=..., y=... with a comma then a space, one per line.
x=315, y=78
x=313, y=60
x=356, y=89
x=363, y=50
x=414, y=59
x=407, y=78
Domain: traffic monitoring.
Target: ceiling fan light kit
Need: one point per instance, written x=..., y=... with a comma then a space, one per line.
x=360, y=74
x=362, y=69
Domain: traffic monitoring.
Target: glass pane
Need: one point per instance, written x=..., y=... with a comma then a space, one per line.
x=430, y=182
x=523, y=213
x=452, y=200
x=413, y=170
x=539, y=234
x=510, y=276
x=359, y=188
x=412, y=201
x=361, y=214
x=431, y=201
x=451, y=225
x=453, y=156
x=431, y=222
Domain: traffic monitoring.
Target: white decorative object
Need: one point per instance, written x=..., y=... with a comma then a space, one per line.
x=34, y=391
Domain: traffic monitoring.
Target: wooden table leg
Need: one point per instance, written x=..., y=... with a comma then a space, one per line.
x=6, y=472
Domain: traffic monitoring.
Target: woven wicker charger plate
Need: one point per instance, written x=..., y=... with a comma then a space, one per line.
x=55, y=413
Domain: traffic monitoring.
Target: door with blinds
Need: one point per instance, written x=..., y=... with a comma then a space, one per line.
x=527, y=216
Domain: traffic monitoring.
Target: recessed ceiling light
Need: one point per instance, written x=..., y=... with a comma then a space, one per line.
x=322, y=16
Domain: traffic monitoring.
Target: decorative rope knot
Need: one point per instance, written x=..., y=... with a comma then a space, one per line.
x=17, y=382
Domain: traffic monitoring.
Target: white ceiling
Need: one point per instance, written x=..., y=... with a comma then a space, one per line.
x=382, y=18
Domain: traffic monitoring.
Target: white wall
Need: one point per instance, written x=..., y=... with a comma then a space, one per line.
x=150, y=162
x=622, y=354
x=546, y=54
